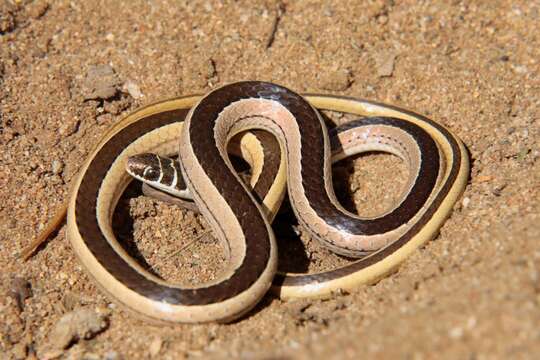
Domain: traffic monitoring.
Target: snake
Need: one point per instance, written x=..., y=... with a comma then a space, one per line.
x=198, y=129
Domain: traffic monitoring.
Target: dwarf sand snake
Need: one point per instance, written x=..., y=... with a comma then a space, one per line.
x=437, y=160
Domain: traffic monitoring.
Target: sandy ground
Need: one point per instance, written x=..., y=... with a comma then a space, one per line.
x=472, y=293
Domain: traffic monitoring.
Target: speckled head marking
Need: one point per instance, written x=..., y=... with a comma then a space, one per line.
x=145, y=167
x=160, y=172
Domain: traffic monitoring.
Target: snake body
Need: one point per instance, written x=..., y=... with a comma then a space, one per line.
x=162, y=178
x=437, y=160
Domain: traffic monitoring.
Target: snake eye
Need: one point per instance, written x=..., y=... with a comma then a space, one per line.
x=151, y=173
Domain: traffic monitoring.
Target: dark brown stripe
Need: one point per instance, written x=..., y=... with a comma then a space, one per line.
x=201, y=132
x=180, y=184
x=90, y=232
x=313, y=180
x=272, y=159
x=356, y=266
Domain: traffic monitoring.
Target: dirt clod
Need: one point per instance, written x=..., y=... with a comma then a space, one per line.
x=83, y=323
x=100, y=82
x=7, y=17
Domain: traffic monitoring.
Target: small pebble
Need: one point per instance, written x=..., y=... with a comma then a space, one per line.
x=132, y=89
x=20, y=290
x=70, y=127
x=465, y=202
x=520, y=69
x=37, y=9
x=111, y=355
x=471, y=323
x=328, y=12
x=57, y=167
x=91, y=356
x=384, y=61
x=430, y=270
x=19, y=350
x=104, y=119
x=456, y=333
x=155, y=346
x=497, y=190
x=70, y=300
x=383, y=19
x=484, y=178
x=335, y=80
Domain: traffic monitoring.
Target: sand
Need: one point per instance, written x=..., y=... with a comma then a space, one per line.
x=472, y=293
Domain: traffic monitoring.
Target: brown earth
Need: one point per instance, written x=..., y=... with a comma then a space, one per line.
x=472, y=293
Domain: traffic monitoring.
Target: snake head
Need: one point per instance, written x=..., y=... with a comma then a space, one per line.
x=144, y=167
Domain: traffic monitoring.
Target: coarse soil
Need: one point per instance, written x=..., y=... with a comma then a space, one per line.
x=71, y=69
